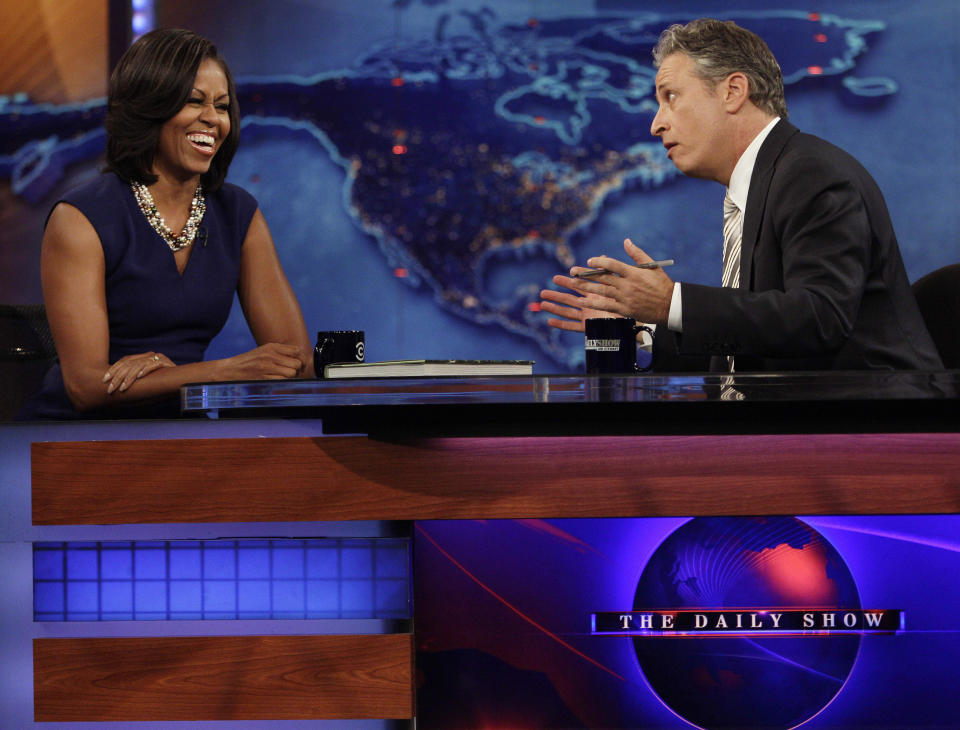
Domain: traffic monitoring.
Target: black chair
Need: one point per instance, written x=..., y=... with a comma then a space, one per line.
x=938, y=294
x=26, y=353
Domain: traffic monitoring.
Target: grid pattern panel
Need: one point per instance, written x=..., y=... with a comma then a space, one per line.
x=222, y=579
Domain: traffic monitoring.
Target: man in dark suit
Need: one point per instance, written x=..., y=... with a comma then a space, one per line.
x=813, y=278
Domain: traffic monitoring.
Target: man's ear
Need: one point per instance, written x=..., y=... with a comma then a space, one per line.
x=736, y=88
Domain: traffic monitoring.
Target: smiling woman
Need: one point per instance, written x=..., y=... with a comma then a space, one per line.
x=140, y=266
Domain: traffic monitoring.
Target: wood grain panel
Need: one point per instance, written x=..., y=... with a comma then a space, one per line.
x=54, y=50
x=356, y=478
x=223, y=678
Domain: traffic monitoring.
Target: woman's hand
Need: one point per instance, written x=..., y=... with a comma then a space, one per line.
x=127, y=370
x=271, y=361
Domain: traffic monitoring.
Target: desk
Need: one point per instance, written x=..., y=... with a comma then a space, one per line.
x=830, y=402
x=388, y=453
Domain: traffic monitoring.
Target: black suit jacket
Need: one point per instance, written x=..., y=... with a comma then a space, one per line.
x=822, y=283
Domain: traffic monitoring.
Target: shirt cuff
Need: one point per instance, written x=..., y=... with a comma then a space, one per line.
x=675, y=317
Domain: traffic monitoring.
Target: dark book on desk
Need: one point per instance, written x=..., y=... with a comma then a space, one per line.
x=420, y=368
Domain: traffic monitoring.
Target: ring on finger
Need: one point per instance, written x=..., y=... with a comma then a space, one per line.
x=156, y=358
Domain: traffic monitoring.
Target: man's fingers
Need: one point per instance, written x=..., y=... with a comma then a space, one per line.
x=561, y=297
x=561, y=311
x=566, y=324
x=635, y=252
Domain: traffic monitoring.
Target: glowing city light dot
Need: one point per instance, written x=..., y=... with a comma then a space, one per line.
x=534, y=306
x=400, y=273
x=397, y=81
x=815, y=70
x=533, y=22
x=814, y=16
x=399, y=149
x=539, y=119
x=820, y=38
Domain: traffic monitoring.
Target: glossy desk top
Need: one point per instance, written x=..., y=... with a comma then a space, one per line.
x=574, y=404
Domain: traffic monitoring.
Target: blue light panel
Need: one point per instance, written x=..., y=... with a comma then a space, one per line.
x=222, y=579
x=142, y=17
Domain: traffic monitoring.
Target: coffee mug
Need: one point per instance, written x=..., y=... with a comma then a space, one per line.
x=611, y=345
x=337, y=346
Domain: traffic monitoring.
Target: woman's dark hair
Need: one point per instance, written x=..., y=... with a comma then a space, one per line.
x=152, y=82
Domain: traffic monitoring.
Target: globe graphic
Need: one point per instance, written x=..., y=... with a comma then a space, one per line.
x=716, y=563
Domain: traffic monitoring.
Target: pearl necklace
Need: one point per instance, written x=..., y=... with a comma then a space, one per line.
x=198, y=206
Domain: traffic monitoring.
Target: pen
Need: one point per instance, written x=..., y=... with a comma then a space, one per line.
x=649, y=265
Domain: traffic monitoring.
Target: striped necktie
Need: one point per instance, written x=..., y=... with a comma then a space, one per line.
x=732, y=237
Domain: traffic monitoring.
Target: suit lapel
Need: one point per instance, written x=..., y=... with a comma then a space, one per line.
x=757, y=196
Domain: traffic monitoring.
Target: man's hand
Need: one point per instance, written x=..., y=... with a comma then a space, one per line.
x=569, y=308
x=642, y=294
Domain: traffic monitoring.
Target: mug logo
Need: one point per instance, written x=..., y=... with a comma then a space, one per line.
x=359, y=352
x=602, y=345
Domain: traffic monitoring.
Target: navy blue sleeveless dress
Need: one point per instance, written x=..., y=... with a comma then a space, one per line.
x=150, y=305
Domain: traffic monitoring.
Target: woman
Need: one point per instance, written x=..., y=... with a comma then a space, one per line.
x=139, y=266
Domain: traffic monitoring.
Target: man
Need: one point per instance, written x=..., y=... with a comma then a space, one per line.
x=818, y=283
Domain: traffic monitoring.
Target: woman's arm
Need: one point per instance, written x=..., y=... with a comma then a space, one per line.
x=73, y=275
x=72, y=272
x=268, y=301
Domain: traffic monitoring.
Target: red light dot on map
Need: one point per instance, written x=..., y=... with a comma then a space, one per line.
x=820, y=38
x=815, y=70
x=533, y=22
x=534, y=306
x=539, y=119
x=400, y=273
x=397, y=81
x=399, y=149
x=814, y=17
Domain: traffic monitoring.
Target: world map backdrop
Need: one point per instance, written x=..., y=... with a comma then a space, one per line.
x=426, y=166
